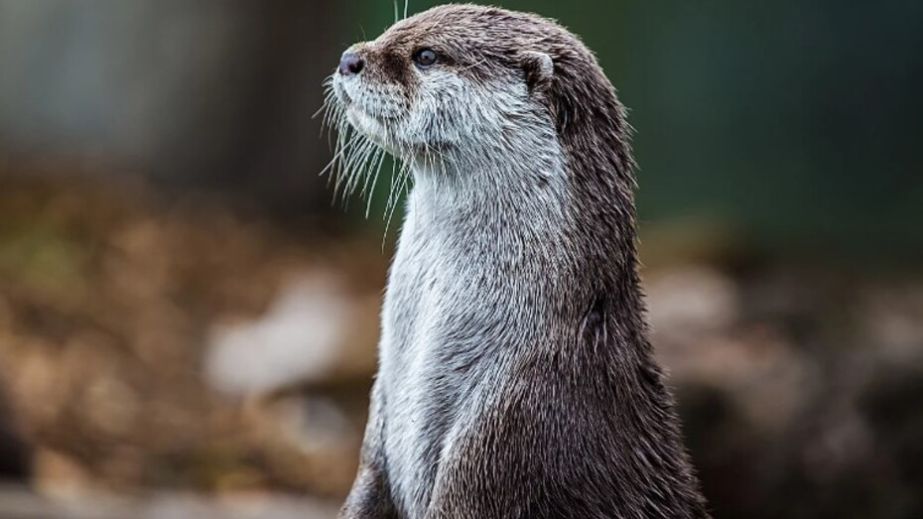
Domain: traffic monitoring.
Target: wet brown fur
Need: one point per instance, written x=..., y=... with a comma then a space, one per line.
x=586, y=429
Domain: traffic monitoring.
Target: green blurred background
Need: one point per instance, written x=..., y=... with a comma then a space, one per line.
x=188, y=323
x=797, y=123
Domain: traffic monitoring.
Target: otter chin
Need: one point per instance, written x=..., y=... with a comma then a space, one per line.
x=515, y=375
x=371, y=127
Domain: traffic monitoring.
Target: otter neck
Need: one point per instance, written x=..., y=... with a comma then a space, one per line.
x=529, y=208
x=528, y=177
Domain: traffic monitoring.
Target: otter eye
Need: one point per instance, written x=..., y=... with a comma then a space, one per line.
x=425, y=58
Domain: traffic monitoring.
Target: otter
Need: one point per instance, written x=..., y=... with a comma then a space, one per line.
x=515, y=376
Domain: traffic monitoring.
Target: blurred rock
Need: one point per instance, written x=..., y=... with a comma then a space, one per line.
x=306, y=336
x=892, y=317
x=690, y=301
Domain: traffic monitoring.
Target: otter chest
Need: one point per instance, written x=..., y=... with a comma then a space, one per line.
x=432, y=326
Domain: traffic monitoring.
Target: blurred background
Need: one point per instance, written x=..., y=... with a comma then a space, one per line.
x=188, y=323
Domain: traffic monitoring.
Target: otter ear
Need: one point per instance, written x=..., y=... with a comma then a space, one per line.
x=539, y=69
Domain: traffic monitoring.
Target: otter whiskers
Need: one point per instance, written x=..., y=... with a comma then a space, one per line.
x=357, y=160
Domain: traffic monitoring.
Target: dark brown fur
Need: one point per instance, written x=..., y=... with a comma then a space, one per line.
x=586, y=428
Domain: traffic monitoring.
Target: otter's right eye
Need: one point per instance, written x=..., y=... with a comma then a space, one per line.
x=425, y=58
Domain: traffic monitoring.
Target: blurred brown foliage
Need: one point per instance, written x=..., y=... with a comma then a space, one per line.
x=106, y=298
x=798, y=384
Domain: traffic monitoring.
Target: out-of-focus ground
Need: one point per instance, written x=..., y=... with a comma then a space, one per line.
x=174, y=359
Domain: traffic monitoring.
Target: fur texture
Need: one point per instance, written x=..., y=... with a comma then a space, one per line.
x=515, y=378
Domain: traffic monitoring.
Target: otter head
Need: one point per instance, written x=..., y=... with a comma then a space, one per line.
x=467, y=83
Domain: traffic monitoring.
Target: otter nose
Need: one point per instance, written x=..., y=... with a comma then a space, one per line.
x=351, y=63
